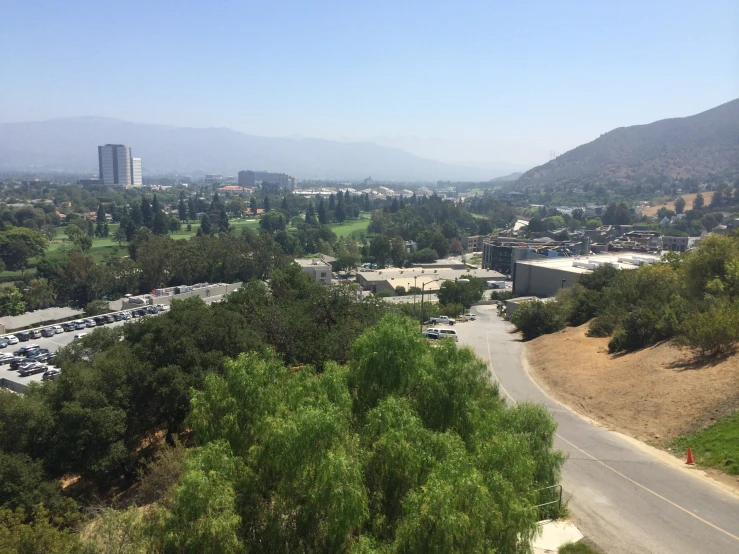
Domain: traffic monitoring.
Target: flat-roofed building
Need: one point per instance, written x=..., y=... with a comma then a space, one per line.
x=429, y=279
x=545, y=277
x=319, y=269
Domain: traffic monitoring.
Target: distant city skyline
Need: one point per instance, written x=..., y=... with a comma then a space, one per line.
x=477, y=82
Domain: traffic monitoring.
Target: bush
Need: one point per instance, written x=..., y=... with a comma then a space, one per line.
x=425, y=256
x=601, y=327
x=536, y=318
x=712, y=333
x=97, y=307
x=617, y=342
x=400, y=290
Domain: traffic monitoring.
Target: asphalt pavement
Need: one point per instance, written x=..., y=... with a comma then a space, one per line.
x=58, y=341
x=624, y=495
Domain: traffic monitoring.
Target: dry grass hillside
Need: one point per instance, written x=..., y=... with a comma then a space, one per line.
x=697, y=146
x=655, y=394
x=652, y=210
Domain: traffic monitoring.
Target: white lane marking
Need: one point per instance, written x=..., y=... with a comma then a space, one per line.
x=629, y=479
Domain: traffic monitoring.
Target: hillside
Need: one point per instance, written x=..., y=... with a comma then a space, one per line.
x=695, y=146
x=70, y=144
x=658, y=396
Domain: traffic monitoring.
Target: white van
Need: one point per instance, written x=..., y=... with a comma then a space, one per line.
x=442, y=333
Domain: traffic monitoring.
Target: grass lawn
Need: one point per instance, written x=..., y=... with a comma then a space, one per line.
x=715, y=446
x=350, y=227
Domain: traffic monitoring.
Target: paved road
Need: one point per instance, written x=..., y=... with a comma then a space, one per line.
x=625, y=496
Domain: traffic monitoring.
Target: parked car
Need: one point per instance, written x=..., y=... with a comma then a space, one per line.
x=99, y=320
x=12, y=339
x=36, y=333
x=23, y=349
x=33, y=369
x=58, y=329
x=51, y=374
x=17, y=362
x=442, y=319
x=109, y=318
x=48, y=332
x=80, y=336
x=126, y=315
x=23, y=336
x=80, y=324
x=5, y=358
x=89, y=322
x=431, y=334
x=138, y=312
x=470, y=315
x=68, y=326
x=41, y=356
x=118, y=316
x=442, y=333
x=3, y=342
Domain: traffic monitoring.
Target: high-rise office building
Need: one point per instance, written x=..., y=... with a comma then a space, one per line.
x=136, y=172
x=115, y=164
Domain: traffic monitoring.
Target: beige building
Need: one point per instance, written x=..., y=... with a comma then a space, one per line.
x=317, y=268
x=545, y=277
x=473, y=244
x=428, y=279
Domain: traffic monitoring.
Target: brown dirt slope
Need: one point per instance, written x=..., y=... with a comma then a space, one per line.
x=654, y=395
x=652, y=210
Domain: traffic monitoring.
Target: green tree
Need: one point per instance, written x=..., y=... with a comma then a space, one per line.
x=120, y=235
x=381, y=250
x=97, y=307
x=11, y=301
x=147, y=216
x=273, y=221
x=223, y=225
x=192, y=211
x=100, y=221
x=463, y=293
x=680, y=205
x=205, y=226
x=161, y=223
x=182, y=207
x=535, y=318
x=18, y=245
x=266, y=204
x=698, y=202
x=39, y=294
x=322, y=213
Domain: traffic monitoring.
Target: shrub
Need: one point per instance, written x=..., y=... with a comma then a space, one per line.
x=427, y=255
x=536, y=318
x=601, y=327
x=97, y=307
x=617, y=342
x=583, y=306
x=400, y=290
x=711, y=333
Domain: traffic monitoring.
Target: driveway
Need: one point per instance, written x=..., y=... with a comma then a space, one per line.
x=625, y=496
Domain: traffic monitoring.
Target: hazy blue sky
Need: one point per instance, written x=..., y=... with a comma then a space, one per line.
x=482, y=81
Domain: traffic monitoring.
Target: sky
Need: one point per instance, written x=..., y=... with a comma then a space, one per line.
x=483, y=82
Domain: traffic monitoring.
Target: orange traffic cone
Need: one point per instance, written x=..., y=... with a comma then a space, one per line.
x=690, y=461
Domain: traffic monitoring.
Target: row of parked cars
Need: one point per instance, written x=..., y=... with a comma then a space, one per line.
x=79, y=324
x=30, y=360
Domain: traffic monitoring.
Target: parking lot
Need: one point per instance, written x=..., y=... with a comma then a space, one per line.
x=56, y=342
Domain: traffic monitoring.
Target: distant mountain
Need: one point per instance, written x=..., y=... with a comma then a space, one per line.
x=696, y=146
x=507, y=178
x=70, y=144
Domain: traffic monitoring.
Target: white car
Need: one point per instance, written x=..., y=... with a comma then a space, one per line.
x=471, y=316
x=80, y=336
x=12, y=339
x=58, y=329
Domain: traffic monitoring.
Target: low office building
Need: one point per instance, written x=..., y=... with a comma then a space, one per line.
x=429, y=280
x=679, y=244
x=473, y=244
x=319, y=269
x=545, y=277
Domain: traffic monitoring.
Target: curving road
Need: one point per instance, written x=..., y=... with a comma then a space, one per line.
x=625, y=496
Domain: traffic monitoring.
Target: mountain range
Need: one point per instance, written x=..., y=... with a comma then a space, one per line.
x=70, y=144
x=697, y=146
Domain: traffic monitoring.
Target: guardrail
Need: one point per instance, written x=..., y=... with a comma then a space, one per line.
x=557, y=501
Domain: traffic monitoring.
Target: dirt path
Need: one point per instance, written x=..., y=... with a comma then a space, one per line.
x=653, y=395
x=652, y=210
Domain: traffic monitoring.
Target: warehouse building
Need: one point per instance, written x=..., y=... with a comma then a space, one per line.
x=430, y=280
x=544, y=278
